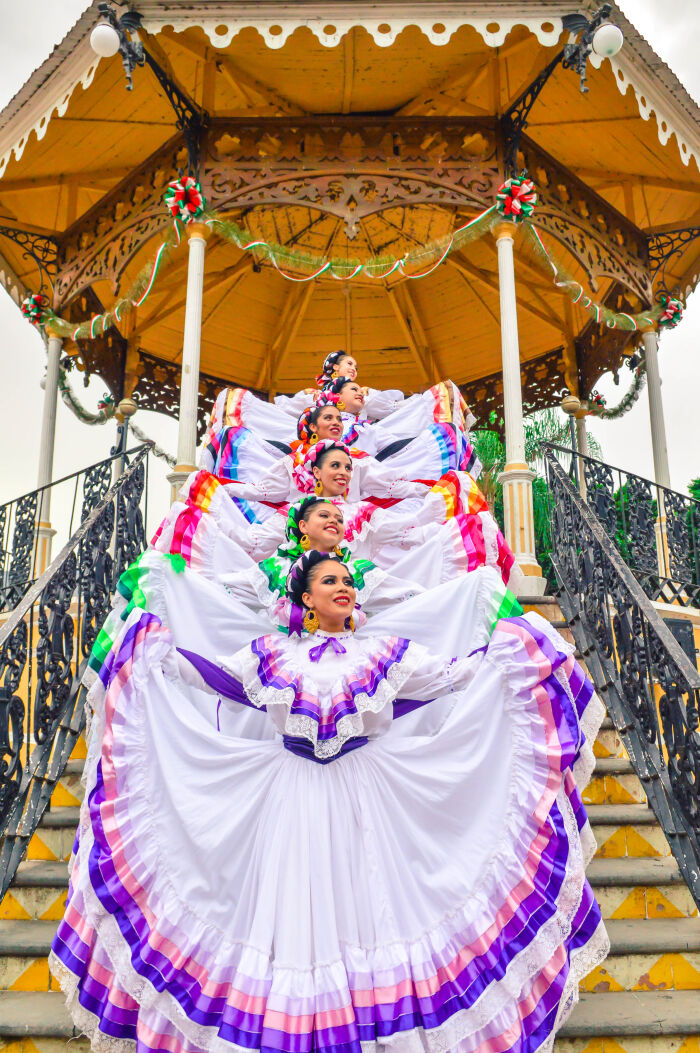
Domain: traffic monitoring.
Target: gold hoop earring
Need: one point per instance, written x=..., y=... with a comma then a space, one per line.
x=311, y=621
x=304, y=542
x=313, y=438
x=335, y=374
x=340, y=405
x=318, y=488
x=351, y=625
x=338, y=551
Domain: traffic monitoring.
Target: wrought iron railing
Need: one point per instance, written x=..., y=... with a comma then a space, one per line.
x=44, y=646
x=656, y=530
x=19, y=523
x=650, y=686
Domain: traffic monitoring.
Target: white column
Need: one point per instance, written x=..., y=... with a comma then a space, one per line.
x=46, y=446
x=582, y=444
x=517, y=478
x=656, y=408
x=191, y=343
x=662, y=474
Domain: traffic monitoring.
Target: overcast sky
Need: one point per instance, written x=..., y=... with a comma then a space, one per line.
x=31, y=29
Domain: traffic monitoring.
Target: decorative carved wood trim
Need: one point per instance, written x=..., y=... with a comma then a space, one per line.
x=543, y=386
x=599, y=349
x=106, y=354
x=351, y=167
x=158, y=388
x=603, y=240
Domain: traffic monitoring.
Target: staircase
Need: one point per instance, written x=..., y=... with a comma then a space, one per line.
x=645, y=998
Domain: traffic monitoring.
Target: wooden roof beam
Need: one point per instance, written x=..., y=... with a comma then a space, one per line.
x=604, y=177
x=416, y=350
x=489, y=282
x=228, y=275
x=102, y=179
x=227, y=67
x=299, y=311
x=404, y=291
x=464, y=79
x=291, y=301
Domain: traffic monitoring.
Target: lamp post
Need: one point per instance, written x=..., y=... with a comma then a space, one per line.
x=597, y=34
x=571, y=405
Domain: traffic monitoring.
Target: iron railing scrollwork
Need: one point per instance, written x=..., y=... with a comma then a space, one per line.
x=45, y=643
x=19, y=524
x=650, y=686
x=656, y=530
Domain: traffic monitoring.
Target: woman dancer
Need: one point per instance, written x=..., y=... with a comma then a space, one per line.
x=293, y=859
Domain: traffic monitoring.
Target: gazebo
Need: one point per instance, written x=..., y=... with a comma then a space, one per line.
x=351, y=159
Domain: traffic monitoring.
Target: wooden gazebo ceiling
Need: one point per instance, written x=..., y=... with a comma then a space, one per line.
x=76, y=183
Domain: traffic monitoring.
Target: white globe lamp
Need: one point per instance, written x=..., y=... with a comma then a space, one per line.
x=607, y=40
x=104, y=40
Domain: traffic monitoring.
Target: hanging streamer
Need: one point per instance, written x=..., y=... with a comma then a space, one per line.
x=516, y=200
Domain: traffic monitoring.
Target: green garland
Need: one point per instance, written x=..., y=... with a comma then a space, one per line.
x=516, y=201
x=102, y=416
x=628, y=399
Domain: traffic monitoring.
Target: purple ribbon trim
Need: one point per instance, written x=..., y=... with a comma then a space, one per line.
x=317, y=653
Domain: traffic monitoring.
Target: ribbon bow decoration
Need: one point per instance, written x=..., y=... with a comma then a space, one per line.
x=316, y=653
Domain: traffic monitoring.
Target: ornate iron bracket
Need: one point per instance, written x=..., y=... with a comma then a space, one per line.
x=188, y=117
x=667, y=244
x=571, y=56
x=39, y=247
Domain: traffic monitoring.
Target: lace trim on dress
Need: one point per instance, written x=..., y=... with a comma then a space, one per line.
x=352, y=725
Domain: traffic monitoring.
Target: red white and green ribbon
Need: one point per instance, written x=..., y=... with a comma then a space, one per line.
x=671, y=311
x=35, y=308
x=184, y=199
x=517, y=198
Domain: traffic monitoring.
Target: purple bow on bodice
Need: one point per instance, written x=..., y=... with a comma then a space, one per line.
x=316, y=653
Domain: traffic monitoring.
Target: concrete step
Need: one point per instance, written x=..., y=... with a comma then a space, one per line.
x=41, y=873
x=629, y=1013
x=649, y=955
x=26, y=938
x=60, y=818
x=37, y=893
x=39, y=1014
x=643, y=887
x=627, y=831
x=620, y=815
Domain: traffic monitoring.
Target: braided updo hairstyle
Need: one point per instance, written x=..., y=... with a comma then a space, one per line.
x=300, y=573
x=329, y=364
x=303, y=474
x=299, y=512
x=335, y=387
x=307, y=421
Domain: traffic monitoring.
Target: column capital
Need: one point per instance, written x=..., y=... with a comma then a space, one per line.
x=504, y=229
x=51, y=334
x=199, y=230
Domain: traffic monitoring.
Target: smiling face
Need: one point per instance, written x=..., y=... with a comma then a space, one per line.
x=334, y=472
x=324, y=527
x=329, y=423
x=331, y=593
x=353, y=397
x=346, y=367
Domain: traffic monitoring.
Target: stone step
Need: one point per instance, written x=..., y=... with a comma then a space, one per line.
x=614, y=782
x=627, y=831
x=41, y=874
x=39, y=1015
x=38, y=892
x=26, y=939
x=629, y=1013
x=641, y=888
x=649, y=955
x=620, y=815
